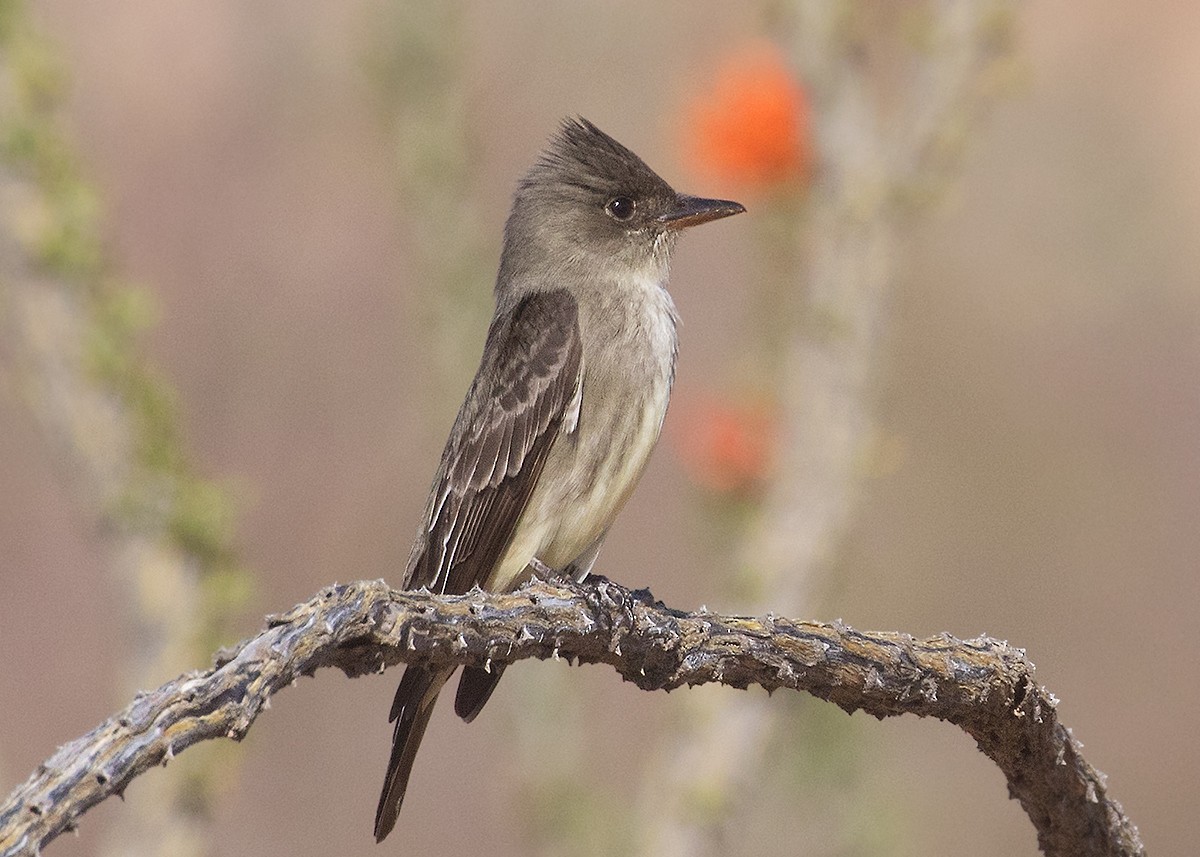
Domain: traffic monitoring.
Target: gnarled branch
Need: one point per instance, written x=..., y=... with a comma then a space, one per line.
x=983, y=686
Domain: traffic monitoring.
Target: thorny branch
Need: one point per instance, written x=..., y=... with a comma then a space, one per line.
x=983, y=686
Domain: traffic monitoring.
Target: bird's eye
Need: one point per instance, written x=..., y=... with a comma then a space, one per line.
x=620, y=208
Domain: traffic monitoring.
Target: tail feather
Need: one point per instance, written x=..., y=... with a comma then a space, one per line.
x=475, y=689
x=413, y=705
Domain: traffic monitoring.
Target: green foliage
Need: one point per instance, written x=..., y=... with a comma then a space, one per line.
x=161, y=496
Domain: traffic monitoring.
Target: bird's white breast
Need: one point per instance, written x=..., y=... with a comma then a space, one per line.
x=629, y=363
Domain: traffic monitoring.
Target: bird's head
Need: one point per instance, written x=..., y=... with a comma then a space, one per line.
x=592, y=201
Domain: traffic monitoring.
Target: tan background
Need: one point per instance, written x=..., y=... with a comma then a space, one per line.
x=1041, y=381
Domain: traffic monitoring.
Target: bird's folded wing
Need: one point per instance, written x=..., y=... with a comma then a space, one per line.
x=522, y=395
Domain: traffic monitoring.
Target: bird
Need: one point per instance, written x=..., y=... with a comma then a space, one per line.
x=566, y=406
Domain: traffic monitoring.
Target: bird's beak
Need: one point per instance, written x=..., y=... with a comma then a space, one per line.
x=691, y=210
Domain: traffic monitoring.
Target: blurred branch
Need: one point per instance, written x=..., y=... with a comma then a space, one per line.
x=895, y=90
x=416, y=58
x=984, y=686
x=71, y=349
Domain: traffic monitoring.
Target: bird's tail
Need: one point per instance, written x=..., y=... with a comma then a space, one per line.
x=415, y=696
x=475, y=689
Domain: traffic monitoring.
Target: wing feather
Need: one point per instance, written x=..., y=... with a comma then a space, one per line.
x=517, y=407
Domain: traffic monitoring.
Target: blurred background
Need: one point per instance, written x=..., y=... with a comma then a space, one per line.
x=941, y=377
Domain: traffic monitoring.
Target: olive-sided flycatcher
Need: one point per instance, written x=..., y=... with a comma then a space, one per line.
x=567, y=403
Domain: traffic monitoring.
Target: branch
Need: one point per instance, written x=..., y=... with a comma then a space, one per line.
x=71, y=346
x=983, y=686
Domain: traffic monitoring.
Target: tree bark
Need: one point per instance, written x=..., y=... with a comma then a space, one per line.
x=984, y=686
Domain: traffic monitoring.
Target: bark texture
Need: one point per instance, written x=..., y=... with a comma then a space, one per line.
x=984, y=686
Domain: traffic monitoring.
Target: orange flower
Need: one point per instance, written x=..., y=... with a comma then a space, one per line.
x=752, y=127
x=726, y=446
